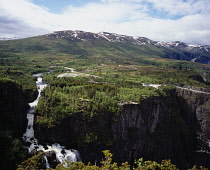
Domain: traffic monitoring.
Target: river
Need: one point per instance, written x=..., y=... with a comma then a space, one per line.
x=62, y=154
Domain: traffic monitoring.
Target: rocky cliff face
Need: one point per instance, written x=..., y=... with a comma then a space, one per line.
x=196, y=110
x=154, y=130
x=173, y=127
x=13, y=105
x=13, y=123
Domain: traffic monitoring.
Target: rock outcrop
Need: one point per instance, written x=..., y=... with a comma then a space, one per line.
x=52, y=160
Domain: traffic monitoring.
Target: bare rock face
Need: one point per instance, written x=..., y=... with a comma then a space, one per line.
x=175, y=127
x=152, y=130
x=196, y=107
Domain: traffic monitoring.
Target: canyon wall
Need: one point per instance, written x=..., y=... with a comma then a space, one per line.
x=13, y=123
x=174, y=126
x=166, y=128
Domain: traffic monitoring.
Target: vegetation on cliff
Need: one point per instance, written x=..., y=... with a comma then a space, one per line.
x=66, y=97
x=26, y=81
x=36, y=163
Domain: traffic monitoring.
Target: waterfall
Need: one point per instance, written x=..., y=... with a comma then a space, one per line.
x=62, y=154
x=47, y=163
x=203, y=144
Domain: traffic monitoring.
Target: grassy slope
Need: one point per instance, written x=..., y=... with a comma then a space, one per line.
x=36, y=54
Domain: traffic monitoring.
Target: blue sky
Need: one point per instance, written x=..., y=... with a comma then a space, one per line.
x=54, y=6
x=160, y=20
x=58, y=6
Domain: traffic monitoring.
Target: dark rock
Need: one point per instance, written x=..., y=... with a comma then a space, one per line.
x=13, y=123
x=27, y=144
x=45, y=147
x=152, y=130
x=52, y=160
x=197, y=78
x=30, y=95
x=13, y=106
x=63, y=151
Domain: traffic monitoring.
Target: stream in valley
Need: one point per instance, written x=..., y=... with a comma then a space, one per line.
x=61, y=153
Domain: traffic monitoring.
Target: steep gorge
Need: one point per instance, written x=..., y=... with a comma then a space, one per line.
x=164, y=127
x=195, y=109
x=13, y=122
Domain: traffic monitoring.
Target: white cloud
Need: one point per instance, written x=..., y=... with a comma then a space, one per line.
x=130, y=17
x=180, y=7
x=124, y=1
x=114, y=12
x=27, y=16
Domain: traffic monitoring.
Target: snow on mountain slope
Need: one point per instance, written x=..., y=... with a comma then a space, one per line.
x=111, y=37
x=174, y=50
x=78, y=35
x=183, y=46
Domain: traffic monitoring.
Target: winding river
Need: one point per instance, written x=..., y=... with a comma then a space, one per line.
x=62, y=154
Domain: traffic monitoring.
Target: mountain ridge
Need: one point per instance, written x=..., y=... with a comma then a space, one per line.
x=174, y=50
x=137, y=40
x=103, y=34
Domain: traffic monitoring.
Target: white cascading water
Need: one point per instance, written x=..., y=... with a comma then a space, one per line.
x=203, y=143
x=62, y=154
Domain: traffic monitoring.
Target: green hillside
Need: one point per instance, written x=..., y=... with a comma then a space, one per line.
x=36, y=54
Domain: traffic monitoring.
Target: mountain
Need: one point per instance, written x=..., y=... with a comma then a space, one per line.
x=107, y=46
x=174, y=50
x=82, y=50
x=111, y=37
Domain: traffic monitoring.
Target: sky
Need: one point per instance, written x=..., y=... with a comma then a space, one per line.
x=159, y=20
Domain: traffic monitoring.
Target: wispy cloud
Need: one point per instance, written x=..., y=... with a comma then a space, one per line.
x=180, y=7
x=184, y=20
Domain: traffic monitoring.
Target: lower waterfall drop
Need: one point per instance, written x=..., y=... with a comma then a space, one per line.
x=61, y=153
